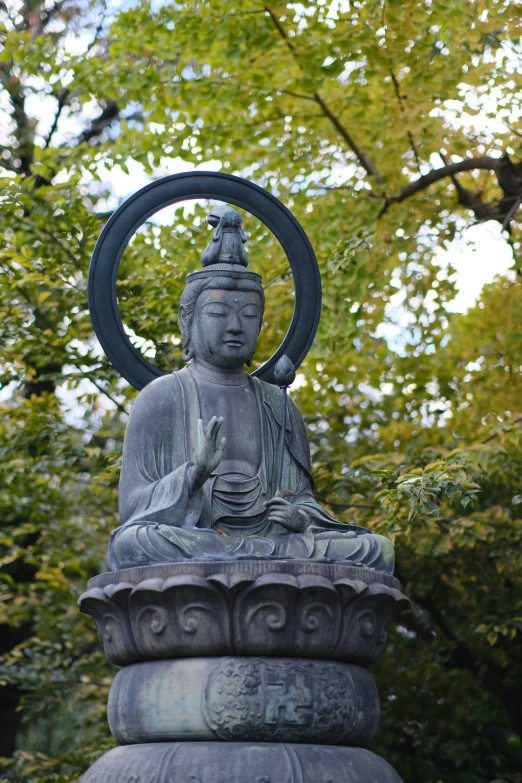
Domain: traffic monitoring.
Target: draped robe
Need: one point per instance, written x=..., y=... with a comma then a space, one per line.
x=164, y=520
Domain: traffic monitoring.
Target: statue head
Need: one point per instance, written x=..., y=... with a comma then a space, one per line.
x=221, y=308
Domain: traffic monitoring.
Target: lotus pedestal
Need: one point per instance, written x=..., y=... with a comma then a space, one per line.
x=243, y=671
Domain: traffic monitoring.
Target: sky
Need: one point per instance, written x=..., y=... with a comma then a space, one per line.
x=478, y=256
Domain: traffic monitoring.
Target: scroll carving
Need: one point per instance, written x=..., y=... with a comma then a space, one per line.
x=291, y=701
x=275, y=614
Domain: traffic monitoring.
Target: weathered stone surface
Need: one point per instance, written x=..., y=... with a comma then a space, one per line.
x=216, y=462
x=277, y=614
x=246, y=568
x=226, y=552
x=239, y=762
x=258, y=699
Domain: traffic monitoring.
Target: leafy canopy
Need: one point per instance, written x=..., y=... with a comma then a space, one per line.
x=389, y=129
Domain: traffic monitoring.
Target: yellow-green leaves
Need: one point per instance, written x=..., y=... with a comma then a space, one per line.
x=414, y=413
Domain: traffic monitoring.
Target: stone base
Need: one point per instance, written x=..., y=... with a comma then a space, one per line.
x=245, y=608
x=243, y=672
x=239, y=762
x=247, y=699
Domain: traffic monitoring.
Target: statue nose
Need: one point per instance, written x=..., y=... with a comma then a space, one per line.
x=234, y=325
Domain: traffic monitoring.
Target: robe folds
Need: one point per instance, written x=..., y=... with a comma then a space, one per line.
x=163, y=520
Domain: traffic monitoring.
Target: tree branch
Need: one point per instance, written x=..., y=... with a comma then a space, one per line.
x=100, y=388
x=502, y=430
x=62, y=100
x=36, y=22
x=400, y=99
x=470, y=164
x=512, y=129
x=110, y=113
x=511, y=213
x=300, y=95
x=365, y=161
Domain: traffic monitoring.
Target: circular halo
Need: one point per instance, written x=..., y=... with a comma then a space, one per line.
x=138, y=208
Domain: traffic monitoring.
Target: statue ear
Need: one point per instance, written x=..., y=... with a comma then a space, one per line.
x=187, y=353
x=184, y=323
x=182, y=318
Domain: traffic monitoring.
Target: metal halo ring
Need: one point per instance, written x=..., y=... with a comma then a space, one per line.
x=123, y=224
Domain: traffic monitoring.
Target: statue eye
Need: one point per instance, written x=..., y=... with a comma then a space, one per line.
x=251, y=312
x=217, y=310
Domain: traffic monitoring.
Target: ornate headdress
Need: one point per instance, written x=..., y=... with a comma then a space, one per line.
x=225, y=255
x=224, y=266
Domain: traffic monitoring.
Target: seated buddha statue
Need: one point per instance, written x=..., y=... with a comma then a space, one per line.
x=200, y=469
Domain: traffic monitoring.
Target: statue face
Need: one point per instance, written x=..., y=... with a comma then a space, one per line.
x=226, y=326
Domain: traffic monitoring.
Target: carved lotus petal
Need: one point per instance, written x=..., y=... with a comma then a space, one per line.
x=264, y=615
x=365, y=622
x=232, y=582
x=185, y=614
x=318, y=617
x=109, y=607
x=277, y=613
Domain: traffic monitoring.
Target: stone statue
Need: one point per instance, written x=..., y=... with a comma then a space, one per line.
x=246, y=616
x=199, y=476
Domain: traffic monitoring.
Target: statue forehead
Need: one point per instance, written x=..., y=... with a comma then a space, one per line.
x=228, y=297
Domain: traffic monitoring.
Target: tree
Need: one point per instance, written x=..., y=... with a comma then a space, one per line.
x=360, y=116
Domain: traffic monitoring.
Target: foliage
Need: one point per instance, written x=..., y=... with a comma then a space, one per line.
x=388, y=128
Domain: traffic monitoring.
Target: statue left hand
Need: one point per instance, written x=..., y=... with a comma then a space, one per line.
x=286, y=514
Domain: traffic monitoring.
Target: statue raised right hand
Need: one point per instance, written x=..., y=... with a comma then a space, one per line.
x=209, y=452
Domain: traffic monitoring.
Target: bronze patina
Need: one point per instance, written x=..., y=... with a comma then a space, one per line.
x=200, y=465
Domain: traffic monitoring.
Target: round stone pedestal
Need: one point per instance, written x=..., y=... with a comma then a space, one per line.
x=249, y=671
x=257, y=699
x=239, y=762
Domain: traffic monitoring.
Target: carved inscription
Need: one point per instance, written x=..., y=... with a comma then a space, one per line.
x=289, y=701
x=271, y=699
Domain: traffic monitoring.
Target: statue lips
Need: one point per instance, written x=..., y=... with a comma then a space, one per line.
x=234, y=343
